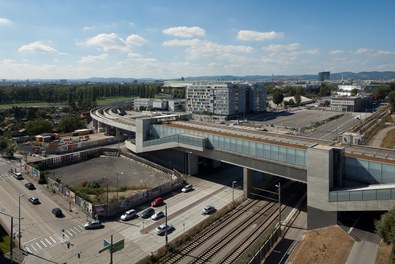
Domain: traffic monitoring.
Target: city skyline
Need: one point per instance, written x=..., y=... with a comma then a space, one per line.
x=153, y=39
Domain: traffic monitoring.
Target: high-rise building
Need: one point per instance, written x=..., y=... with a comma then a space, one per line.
x=324, y=76
x=225, y=98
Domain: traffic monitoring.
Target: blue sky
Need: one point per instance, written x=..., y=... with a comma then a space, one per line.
x=173, y=39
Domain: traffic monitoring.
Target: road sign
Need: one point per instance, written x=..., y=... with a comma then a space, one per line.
x=118, y=245
x=105, y=248
x=105, y=243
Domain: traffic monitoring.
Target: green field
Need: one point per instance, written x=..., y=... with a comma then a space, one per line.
x=4, y=241
x=105, y=101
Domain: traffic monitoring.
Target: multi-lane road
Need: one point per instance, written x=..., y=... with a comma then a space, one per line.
x=44, y=236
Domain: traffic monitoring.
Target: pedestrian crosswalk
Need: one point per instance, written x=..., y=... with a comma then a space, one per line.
x=46, y=241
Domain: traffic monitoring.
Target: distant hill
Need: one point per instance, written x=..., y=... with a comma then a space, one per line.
x=347, y=76
x=375, y=75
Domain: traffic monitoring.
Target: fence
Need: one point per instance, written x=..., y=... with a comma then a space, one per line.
x=263, y=251
x=175, y=181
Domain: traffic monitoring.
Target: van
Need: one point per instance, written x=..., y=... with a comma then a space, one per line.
x=18, y=176
x=128, y=215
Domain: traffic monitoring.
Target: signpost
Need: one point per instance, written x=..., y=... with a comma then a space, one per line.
x=113, y=247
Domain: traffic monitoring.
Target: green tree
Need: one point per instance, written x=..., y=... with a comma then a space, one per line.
x=38, y=126
x=385, y=226
x=391, y=99
x=69, y=124
x=325, y=90
x=277, y=97
x=298, y=99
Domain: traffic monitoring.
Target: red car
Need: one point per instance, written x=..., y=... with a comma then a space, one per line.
x=157, y=202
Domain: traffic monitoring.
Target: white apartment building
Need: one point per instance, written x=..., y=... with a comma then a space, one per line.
x=225, y=98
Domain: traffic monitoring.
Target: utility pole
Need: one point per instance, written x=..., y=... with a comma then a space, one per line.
x=166, y=239
x=19, y=220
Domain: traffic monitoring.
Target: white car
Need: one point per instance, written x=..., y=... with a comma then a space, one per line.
x=187, y=188
x=161, y=230
x=128, y=215
x=158, y=215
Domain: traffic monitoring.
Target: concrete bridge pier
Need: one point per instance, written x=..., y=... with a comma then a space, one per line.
x=247, y=182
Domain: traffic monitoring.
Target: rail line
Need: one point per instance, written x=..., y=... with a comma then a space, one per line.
x=209, y=232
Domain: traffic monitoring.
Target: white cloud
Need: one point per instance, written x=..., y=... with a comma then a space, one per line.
x=207, y=48
x=182, y=42
x=5, y=21
x=136, y=40
x=371, y=52
x=107, y=42
x=249, y=35
x=336, y=52
x=93, y=59
x=279, y=47
x=37, y=46
x=87, y=28
x=185, y=32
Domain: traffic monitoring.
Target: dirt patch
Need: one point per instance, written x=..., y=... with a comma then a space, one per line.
x=325, y=245
x=383, y=254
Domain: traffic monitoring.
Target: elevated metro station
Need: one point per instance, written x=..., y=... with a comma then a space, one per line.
x=338, y=177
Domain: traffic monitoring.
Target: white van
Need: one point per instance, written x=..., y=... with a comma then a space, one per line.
x=128, y=215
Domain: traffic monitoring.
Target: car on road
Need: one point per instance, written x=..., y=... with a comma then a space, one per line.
x=187, y=188
x=158, y=215
x=95, y=224
x=30, y=186
x=157, y=202
x=208, y=209
x=148, y=212
x=34, y=200
x=57, y=212
x=128, y=215
x=18, y=176
x=163, y=228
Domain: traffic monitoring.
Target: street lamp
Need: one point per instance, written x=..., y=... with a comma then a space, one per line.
x=279, y=204
x=12, y=235
x=166, y=241
x=19, y=220
x=233, y=190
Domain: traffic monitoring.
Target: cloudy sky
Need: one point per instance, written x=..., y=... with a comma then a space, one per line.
x=182, y=38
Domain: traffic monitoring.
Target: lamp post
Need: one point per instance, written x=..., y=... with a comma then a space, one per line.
x=233, y=190
x=19, y=220
x=166, y=239
x=279, y=204
x=12, y=235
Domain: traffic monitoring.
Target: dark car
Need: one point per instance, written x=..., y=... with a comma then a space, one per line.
x=57, y=212
x=148, y=212
x=95, y=224
x=30, y=186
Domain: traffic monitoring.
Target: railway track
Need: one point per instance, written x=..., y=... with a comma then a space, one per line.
x=209, y=232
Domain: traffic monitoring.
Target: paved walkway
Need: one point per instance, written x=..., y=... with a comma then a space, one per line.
x=381, y=134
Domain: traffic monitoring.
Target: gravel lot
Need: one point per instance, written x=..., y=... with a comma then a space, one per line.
x=129, y=172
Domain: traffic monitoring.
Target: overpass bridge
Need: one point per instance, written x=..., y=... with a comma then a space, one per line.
x=338, y=177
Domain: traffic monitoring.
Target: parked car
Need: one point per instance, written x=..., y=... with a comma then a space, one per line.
x=148, y=212
x=161, y=230
x=187, y=188
x=18, y=176
x=157, y=202
x=95, y=224
x=30, y=186
x=34, y=200
x=128, y=215
x=57, y=212
x=208, y=209
x=158, y=215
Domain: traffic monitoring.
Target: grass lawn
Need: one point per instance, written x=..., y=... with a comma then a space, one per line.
x=4, y=241
x=389, y=140
x=104, y=101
